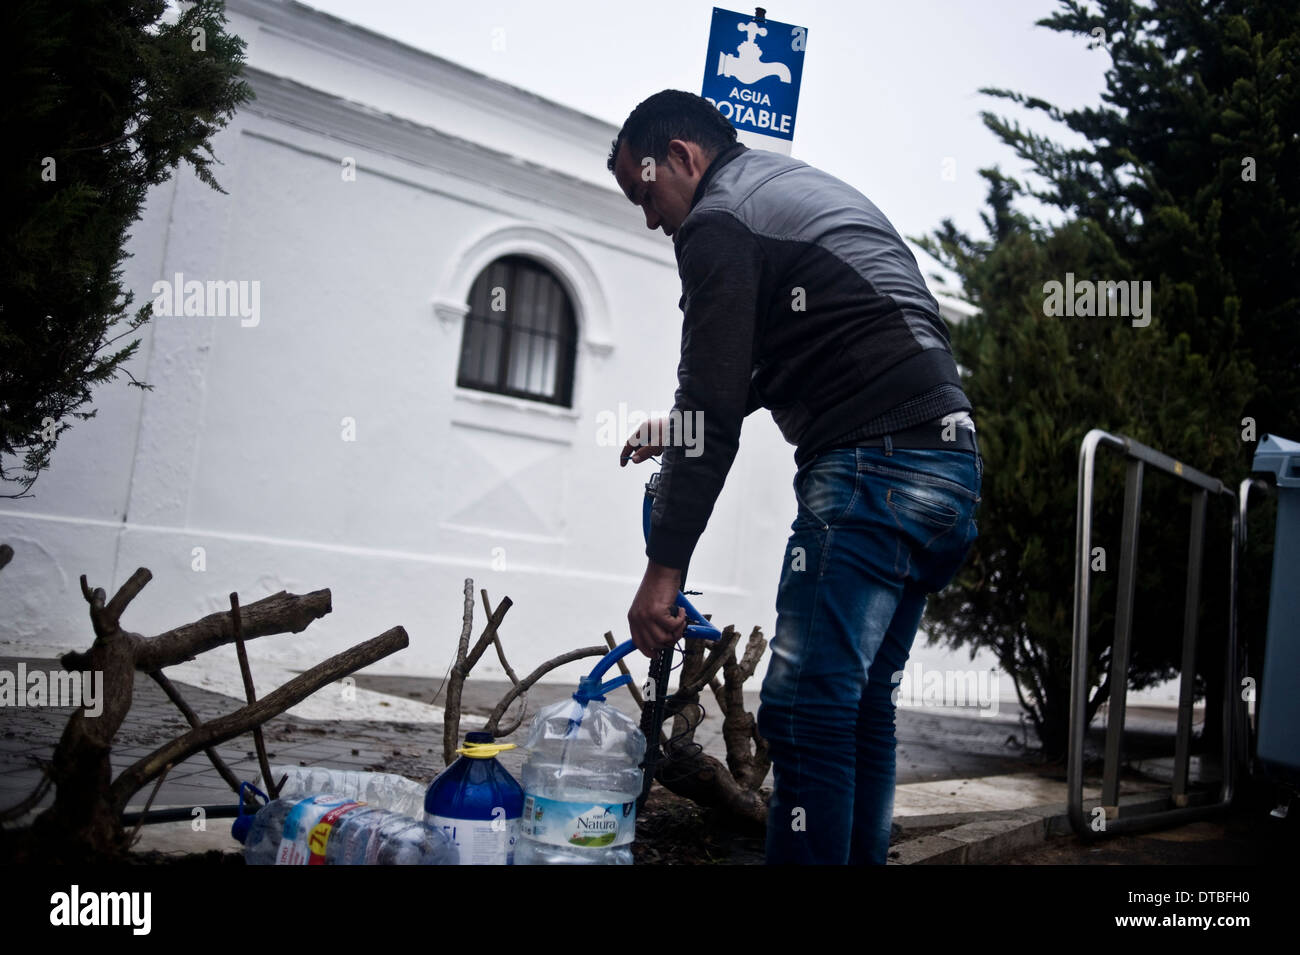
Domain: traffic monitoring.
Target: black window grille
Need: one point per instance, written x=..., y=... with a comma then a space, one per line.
x=520, y=335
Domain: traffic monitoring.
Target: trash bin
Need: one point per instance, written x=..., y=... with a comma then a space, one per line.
x=1278, y=746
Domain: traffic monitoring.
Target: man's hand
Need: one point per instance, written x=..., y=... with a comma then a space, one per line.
x=638, y=446
x=652, y=624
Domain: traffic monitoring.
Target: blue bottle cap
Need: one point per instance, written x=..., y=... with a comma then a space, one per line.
x=244, y=821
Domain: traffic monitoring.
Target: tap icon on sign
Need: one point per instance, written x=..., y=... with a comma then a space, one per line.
x=747, y=65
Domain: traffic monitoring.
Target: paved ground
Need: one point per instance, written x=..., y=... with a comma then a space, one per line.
x=1200, y=843
x=962, y=779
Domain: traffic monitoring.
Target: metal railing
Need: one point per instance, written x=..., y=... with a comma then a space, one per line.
x=1182, y=809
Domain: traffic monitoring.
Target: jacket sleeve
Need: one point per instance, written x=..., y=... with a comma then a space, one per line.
x=721, y=264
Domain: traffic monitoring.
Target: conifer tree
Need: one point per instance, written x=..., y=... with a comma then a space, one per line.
x=1190, y=179
x=104, y=100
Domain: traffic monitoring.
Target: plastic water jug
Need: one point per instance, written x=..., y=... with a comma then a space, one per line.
x=477, y=803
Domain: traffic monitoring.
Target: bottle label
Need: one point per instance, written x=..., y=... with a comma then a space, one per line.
x=585, y=825
x=307, y=829
x=480, y=841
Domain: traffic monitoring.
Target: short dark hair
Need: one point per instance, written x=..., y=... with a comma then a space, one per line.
x=668, y=115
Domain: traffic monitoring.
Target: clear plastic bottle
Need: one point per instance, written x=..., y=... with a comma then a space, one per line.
x=382, y=790
x=581, y=782
x=328, y=829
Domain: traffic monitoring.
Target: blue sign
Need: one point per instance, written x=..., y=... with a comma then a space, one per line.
x=752, y=72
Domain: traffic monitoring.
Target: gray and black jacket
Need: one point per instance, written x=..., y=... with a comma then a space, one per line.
x=800, y=297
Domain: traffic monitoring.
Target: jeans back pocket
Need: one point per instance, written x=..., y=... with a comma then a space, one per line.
x=929, y=510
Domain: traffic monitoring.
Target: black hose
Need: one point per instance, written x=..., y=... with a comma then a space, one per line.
x=180, y=814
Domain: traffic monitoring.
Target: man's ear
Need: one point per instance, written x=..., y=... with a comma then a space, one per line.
x=688, y=156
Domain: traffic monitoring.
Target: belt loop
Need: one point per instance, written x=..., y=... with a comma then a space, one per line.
x=889, y=446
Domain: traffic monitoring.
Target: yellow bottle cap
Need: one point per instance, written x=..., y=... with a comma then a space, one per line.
x=484, y=750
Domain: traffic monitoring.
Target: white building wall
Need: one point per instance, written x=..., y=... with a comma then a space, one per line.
x=238, y=447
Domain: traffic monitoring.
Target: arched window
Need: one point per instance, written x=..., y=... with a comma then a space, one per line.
x=520, y=336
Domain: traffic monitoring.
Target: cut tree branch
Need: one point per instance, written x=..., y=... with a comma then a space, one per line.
x=278, y=613
x=719, y=653
x=192, y=718
x=242, y=720
x=456, y=679
x=622, y=668
x=465, y=660
x=250, y=695
x=533, y=677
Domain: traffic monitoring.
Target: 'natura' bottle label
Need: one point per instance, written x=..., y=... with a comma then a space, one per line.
x=584, y=825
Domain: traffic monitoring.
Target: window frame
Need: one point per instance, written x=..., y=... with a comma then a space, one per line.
x=565, y=336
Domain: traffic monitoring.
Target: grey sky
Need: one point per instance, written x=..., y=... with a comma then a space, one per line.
x=889, y=89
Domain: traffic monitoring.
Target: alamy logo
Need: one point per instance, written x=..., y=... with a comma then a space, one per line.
x=680, y=427
x=1087, y=298
x=75, y=907
x=958, y=688
x=212, y=299
x=59, y=688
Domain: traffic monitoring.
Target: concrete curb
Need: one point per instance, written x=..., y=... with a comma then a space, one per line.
x=980, y=838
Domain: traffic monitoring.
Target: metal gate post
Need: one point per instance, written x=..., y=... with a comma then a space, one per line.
x=1123, y=636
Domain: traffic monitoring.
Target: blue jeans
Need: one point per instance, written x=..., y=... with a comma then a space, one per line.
x=876, y=533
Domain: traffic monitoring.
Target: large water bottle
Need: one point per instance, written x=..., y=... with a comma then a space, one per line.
x=381, y=790
x=477, y=803
x=581, y=782
x=328, y=829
